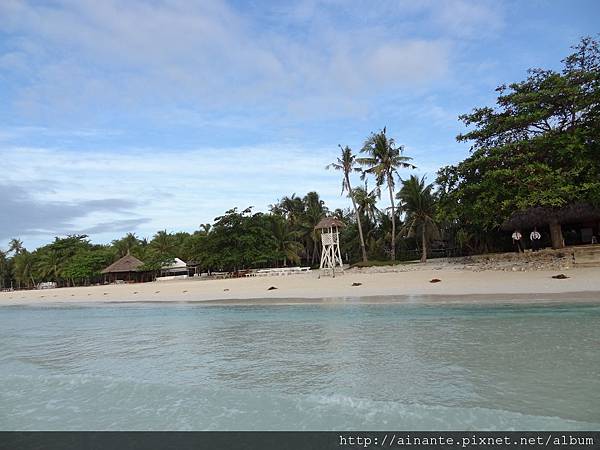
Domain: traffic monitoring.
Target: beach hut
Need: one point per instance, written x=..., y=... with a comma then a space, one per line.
x=331, y=256
x=127, y=269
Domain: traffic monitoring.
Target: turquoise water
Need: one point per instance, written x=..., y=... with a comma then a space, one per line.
x=315, y=367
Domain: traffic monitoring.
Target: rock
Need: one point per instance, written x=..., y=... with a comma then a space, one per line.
x=356, y=284
x=225, y=290
x=561, y=276
x=435, y=280
x=271, y=288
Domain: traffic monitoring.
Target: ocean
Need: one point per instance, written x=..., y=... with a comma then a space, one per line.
x=300, y=367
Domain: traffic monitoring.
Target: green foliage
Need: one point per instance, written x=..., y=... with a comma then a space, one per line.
x=538, y=148
x=419, y=204
x=383, y=160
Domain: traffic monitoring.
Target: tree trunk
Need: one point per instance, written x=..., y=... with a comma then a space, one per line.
x=393, y=222
x=556, y=234
x=360, y=231
x=424, y=244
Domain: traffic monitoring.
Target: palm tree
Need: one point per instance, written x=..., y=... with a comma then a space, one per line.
x=418, y=202
x=347, y=164
x=126, y=244
x=383, y=161
x=366, y=202
x=314, y=211
x=16, y=245
x=24, y=267
x=286, y=241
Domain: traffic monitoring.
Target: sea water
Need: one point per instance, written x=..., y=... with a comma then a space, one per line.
x=299, y=367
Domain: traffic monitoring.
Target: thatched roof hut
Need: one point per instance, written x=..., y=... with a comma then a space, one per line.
x=329, y=222
x=576, y=213
x=542, y=216
x=127, y=263
x=128, y=268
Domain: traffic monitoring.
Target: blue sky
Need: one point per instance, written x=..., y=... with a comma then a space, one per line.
x=161, y=114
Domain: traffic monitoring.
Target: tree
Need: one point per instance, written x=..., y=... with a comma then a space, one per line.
x=286, y=242
x=24, y=264
x=537, y=150
x=347, y=164
x=127, y=244
x=383, y=161
x=15, y=245
x=418, y=203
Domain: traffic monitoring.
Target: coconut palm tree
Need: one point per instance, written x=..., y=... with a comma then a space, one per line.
x=418, y=202
x=348, y=164
x=286, y=241
x=384, y=159
x=366, y=202
x=126, y=244
x=314, y=211
x=15, y=245
x=24, y=268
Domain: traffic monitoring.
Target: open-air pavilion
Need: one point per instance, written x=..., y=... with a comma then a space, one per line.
x=127, y=269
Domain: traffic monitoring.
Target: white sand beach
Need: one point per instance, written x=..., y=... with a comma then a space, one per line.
x=402, y=284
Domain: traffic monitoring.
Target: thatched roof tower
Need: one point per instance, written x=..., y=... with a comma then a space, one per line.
x=329, y=222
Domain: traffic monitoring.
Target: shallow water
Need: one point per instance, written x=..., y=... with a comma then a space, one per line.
x=315, y=367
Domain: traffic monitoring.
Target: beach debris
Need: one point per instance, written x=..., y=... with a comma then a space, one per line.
x=225, y=290
x=435, y=280
x=356, y=284
x=271, y=288
x=560, y=276
x=135, y=292
x=72, y=295
x=183, y=292
x=105, y=293
x=157, y=292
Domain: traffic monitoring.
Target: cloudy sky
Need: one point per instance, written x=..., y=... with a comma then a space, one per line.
x=161, y=114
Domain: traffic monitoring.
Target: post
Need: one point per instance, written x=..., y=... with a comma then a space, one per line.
x=556, y=234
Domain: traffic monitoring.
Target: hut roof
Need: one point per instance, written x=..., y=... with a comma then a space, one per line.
x=540, y=216
x=328, y=222
x=127, y=263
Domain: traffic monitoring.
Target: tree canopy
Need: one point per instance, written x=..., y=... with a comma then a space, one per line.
x=537, y=148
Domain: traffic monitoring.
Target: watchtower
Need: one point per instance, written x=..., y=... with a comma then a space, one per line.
x=331, y=257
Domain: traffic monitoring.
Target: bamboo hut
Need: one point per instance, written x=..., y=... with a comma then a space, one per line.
x=126, y=269
x=582, y=218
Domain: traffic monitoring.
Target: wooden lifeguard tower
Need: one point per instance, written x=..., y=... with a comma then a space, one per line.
x=331, y=257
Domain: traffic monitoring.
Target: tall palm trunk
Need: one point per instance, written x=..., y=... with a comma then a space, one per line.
x=360, y=231
x=424, y=244
x=393, y=222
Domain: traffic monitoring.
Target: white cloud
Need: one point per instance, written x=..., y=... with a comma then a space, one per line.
x=133, y=55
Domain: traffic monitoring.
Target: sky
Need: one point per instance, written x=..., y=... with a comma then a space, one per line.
x=140, y=116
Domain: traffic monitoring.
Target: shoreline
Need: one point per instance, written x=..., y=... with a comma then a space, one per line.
x=399, y=286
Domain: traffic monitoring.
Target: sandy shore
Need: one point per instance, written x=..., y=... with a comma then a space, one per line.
x=455, y=286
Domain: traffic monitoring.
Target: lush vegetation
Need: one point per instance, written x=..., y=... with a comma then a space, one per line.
x=537, y=149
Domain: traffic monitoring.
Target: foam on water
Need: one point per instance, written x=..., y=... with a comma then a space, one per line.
x=300, y=368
